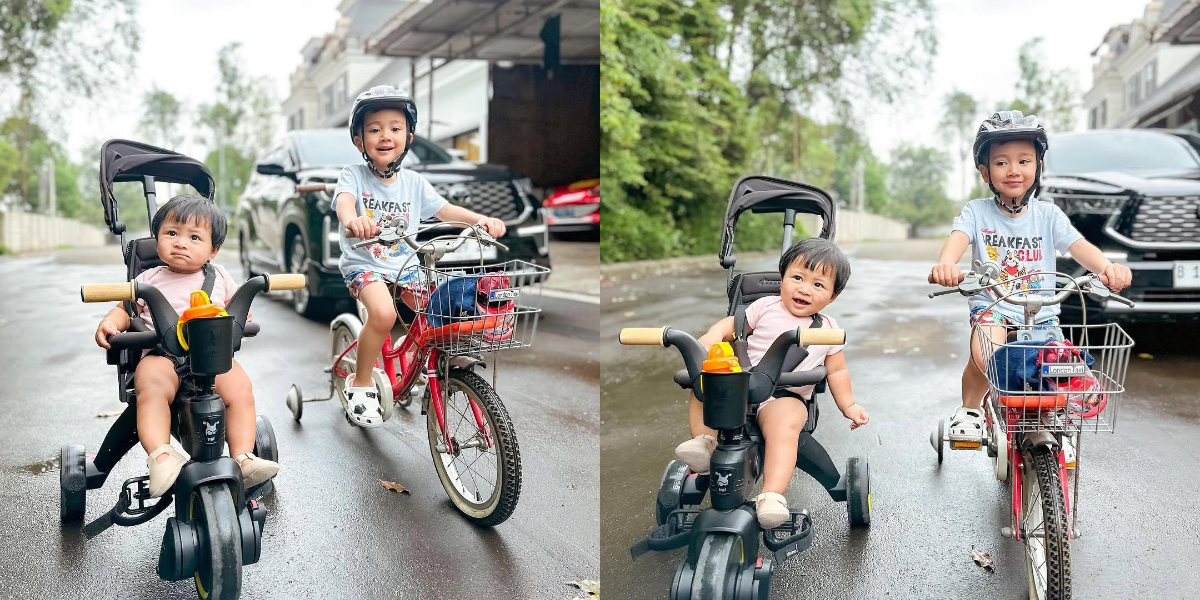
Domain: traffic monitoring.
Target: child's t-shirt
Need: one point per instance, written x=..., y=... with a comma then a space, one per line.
x=769, y=319
x=1022, y=245
x=410, y=196
x=177, y=288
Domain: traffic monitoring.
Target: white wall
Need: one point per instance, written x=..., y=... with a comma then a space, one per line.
x=23, y=232
x=854, y=226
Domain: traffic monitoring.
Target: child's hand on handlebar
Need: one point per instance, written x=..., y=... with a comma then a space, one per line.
x=946, y=274
x=104, y=331
x=857, y=415
x=1116, y=277
x=494, y=227
x=363, y=228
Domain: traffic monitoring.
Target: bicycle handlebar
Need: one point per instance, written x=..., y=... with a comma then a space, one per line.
x=390, y=235
x=771, y=364
x=974, y=282
x=165, y=317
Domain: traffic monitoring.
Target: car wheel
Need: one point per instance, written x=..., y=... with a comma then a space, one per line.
x=302, y=299
x=244, y=257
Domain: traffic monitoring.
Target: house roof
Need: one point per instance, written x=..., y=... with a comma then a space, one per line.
x=493, y=30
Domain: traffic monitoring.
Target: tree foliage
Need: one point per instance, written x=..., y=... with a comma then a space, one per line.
x=917, y=182
x=697, y=93
x=960, y=117
x=1052, y=95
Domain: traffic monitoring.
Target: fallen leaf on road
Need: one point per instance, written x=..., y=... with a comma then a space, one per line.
x=590, y=586
x=104, y=414
x=629, y=313
x=1146, y=356
x=395, y=487
x=983, y=559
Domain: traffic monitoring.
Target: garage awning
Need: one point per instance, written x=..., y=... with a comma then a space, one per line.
x=492, y=30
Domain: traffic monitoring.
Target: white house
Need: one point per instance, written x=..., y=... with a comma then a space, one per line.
x=336, y=68
x=1137, y=77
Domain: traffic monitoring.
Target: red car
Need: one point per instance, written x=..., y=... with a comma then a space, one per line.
x=574, y=207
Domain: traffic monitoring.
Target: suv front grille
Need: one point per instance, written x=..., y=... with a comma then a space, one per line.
x=1164, y=219
x=492, y=198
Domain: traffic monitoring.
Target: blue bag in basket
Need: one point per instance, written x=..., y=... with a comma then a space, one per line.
x=455, y=298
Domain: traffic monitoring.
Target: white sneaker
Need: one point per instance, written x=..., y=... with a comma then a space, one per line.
x=362, y=405
x=966, y=425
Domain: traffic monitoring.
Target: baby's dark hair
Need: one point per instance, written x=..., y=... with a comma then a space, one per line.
x=819, y=254
x=186, y=207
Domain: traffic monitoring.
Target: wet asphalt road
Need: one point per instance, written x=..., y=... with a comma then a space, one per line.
x=332, y=530
x=906, y=353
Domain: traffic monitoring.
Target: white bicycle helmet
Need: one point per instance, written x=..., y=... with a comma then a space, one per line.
x=1007, y=126
x=378, y=98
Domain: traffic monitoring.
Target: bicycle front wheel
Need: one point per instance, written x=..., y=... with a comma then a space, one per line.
x=479, y=468
x=1044, y=527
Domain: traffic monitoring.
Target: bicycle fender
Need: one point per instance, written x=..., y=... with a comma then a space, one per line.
x=349, y=320
x=1039, y=438
x=740, y=521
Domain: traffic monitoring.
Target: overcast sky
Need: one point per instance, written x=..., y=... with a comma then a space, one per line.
x=179, y=45
x=977, y=53
x=978, y=42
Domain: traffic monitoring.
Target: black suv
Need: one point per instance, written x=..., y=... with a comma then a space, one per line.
x=1134, y=193
x=283, y=231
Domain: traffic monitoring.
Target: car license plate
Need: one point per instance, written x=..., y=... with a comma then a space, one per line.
x=469, y=251
x=568, y=212
x=1187, y=274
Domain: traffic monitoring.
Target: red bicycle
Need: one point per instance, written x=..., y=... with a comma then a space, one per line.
x=462, y=313
x=1047, y=384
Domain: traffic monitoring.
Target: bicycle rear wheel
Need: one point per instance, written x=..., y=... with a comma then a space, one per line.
x=482, y=480
x=1044, y=527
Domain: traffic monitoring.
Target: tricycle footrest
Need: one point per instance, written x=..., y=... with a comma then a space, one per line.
x=668, y=536
x=791, y=538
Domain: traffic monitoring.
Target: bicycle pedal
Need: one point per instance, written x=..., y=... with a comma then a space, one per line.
x=965, y=445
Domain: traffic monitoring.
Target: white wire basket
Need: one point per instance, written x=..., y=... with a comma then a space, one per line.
x=1071, y=382
x=476, y=309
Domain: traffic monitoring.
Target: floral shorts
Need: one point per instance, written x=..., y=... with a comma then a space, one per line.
x=360, y=278
x=981, y=316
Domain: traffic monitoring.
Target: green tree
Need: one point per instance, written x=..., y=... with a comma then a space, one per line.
x=240, y=122
x=917, y=182
x=161, y=113
x=960, y=115
x=1052, y=95
x=57, y=52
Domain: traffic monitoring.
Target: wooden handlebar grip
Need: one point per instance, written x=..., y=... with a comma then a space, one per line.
x=314, y=187
x=643, y=336
x=286, y=281
x=822, y=337
x=107, y=292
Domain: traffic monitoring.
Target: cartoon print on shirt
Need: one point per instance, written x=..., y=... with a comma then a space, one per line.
x=382, y=211
x=1018, y=257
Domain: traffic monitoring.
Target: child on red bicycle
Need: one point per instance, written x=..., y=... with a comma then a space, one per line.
x=382, y=122
x=1020, y=233
x=814, y=272
x=190, y=230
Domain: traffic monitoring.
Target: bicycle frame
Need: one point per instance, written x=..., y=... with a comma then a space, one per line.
x=1014, y=459
x=410, y=354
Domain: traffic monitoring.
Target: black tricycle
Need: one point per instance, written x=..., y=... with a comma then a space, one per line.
x=723, y=559
x=217, y=527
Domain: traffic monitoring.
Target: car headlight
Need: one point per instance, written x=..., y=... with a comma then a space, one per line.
x=1076, y=203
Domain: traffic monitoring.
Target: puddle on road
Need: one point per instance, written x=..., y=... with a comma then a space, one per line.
x=37, y=468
